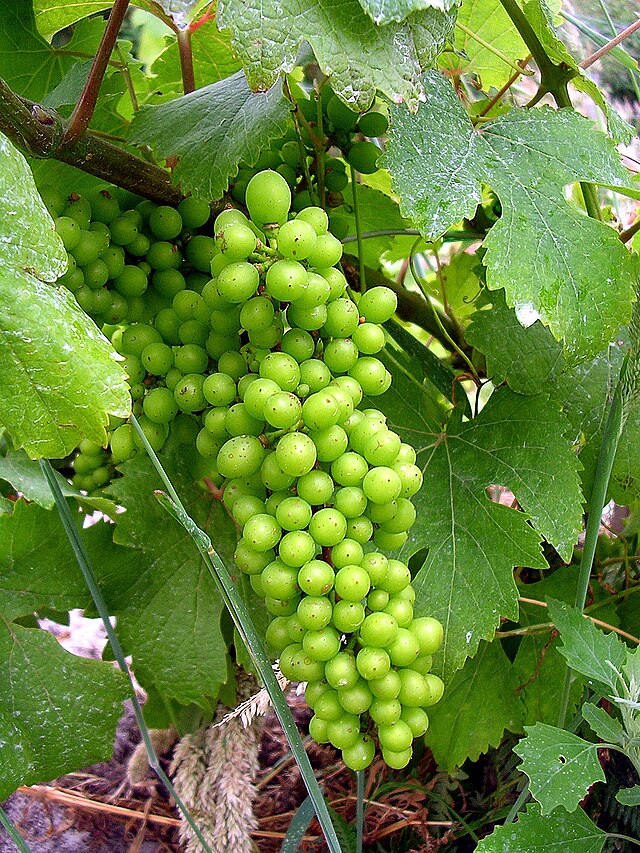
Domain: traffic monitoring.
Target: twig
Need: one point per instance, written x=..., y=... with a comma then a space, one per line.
x=588, y=62
x=630, y=232
x=186, y=61
x=83, y=110
x=78, y=801
x=587, y=616
x=494, y=50
x=506, y=87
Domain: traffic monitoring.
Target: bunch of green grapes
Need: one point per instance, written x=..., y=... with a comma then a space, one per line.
x=260, y=370
x=347, y=138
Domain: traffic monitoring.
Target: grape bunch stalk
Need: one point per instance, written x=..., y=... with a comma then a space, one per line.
x=260, y=372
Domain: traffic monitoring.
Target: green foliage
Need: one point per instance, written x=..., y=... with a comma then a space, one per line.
x=502, y=377
x=359, y=56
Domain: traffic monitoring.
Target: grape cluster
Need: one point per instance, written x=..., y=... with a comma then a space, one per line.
x=347, y=138
x=259, y=370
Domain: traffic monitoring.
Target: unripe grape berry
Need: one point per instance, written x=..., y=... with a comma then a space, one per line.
x=268, y=198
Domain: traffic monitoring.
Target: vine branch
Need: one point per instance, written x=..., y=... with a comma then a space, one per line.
x=588, y=62
x=38, y=132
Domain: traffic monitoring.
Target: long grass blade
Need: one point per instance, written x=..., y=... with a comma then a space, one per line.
x=82, y=557
x=359, y=810
x=252, y=640
x=298, y=826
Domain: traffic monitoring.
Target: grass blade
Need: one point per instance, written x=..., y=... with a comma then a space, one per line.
x=298, y=826
x=252, y=640
x=13, y=833
x=89, y=577
x=359, y=810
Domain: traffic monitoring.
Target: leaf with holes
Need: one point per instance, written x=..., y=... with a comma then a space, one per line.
x=560, y=765
x=570, y=271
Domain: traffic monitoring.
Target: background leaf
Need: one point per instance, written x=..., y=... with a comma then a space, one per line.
x=49, y=346
x=166, y=603
x=586, y=647
x=560, y=765
x=488, y=20
x=58, y=712
x=604, y=725
x=473, y=714
x=466, y=580
x=386, y=11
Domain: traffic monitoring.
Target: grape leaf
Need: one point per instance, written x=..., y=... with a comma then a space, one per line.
x=358, y=56
x=629, y=796
x=49, y=346
x=37, y=565
x=166, y=603
x=212, y=130
x=389, y=11
x=557, y=832
x=472, y=715
x=560, y=765
x=58, y=712
x=54, y=15
x=526, y=358
x=554, y=263
x=586, y=647
x=376, y=212
x=26, y=477
x=466, y=580
x=488, y=20
x=604, y=725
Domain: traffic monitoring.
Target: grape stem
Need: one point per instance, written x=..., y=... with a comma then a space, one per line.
x=186, y=61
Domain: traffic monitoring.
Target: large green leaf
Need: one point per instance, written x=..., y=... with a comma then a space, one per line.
x=58, y=712
x=166, y=603
x=557, y=832
x=473, y=714
x=474, y=544
x=555, y=264
x=59, y=381
x=359, y=56
x=212, y=130
x=586, y=647
x=560, y=765
x=526, y=358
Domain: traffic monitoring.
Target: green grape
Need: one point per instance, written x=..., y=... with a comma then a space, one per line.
x=250, y=561
x=194, y=212
x=296, y=454
x=369, y=338
x=356, y=699
x=286, y=280
x=315, y=577
x=122, y=444
x=348, y=616
x=378, y=304
x=104, y=207
x=219, y=389
x=322, y=644
x=69, y=231
x=316, y=293
x=272, y=475
x=401, y=610
x=405, y=649
x=352, y=583
x=429, y=633
x=277, y=636
x=342, y=318
x=124, y=231
x=278, y=580
x=190, y=305
x=340, y=116
x=372, y=662
x=131, y=282
x=363, y=156
x=293, y=513
x=257, y=314
x=351, y=501
x=335, y=178
x=319, y=729
x=53, y=200
x=160, y=405
x=282, y=369
x=236, y=241
x=397, y=760
x=194, y=332
x=114, y=259
x=378, y=629
x=163, y=256
x=360, y=529
x=268, y=198
x=416, y=719
x=309, y=319
x=316, y=218
x=207, y=445
x=326, y=253
x=262, y=531
x=298, y=344
x=346, y=553
x=188, y=393
x=297, y=548
x=350, y=469
x=138, y=336
x=340, y=355
x=315, y=374
x=341, y=670
x=201, y=251
x=373, y=124
x=360, y=755
x=168, y=282
x=344, y=732
x=238, y=282
x=328, y=527
x=435, y=686
x=78, y=208
x=316, y=487
x=156, y=434
x=190, y=358
x=385, y=712
x=238, y=421
x=328, y=707
x=296, y=239
x=165, y=222
x=330, y=443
